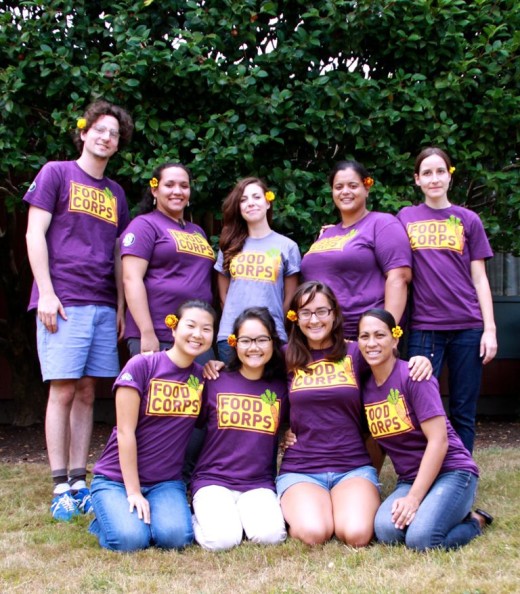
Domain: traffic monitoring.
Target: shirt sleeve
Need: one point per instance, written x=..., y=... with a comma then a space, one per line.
x=392, y=246
x=138, y=239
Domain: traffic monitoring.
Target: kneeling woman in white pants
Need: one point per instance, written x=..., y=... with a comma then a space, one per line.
x=233, y=482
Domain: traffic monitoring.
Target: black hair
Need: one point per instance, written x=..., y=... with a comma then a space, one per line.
x=146, y=204
x=275, y=367
x=343, y=165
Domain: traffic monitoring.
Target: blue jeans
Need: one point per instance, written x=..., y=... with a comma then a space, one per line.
x=461, y=351
x=225, y=352
x=119, y=530
x=442, y=518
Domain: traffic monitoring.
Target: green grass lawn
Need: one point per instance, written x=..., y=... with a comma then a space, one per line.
x=39, y=555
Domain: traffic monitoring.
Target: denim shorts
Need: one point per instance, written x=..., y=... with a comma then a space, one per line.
x=85, y=344
x=327, y=480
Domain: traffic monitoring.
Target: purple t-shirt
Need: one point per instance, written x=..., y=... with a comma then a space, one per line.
x=88, y=215
x=242, y=418
x=180, y=262
x=169, y=407
x=444, y=243
x=325, y=414
x=395, y=411
x=353, y=261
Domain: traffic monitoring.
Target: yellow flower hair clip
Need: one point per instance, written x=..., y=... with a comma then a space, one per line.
x=171, y=321
x=232, y=340
x=269, y=196
x=292, y=316
x=81, y=123
x=452, y=170
x=368, y=182
x=154, y=182
x=397, y=332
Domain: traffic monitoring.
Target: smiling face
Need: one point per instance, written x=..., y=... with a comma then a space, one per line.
x=376, y=342
x=253, y=205
x=316, y=330
x=349, y=194
x=173, y=192
x=434, y=180
x=194, y=332
x=254, y=357
x=101, y=140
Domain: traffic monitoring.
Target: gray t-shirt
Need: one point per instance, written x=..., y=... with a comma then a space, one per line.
x=257, y=276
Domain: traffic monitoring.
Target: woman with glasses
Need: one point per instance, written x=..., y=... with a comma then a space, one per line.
x=366, y=258
x=166, y=260
x=256, y=265
x=327, y=483
x=233, y=482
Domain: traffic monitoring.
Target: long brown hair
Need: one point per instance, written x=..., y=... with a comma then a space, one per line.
x=234, y=229
x=298, y=354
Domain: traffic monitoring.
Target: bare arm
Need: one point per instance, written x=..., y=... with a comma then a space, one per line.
x=290, y=284
x=223, y=286
x=134, y=270
x=396, y=290
x=404, y=508
x=488, y=342
x=127, y=410
x=118, y=273
x=49, y=305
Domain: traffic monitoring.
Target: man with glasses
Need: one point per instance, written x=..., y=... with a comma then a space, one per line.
x=76, y=215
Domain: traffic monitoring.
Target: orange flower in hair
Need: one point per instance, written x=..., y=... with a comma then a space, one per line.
x=81, y=123
x=171, y=321
x=269, y=196
x=232, y=340
x=292, y=316
x=154, y=182
x=452, y=170
x=368, y=182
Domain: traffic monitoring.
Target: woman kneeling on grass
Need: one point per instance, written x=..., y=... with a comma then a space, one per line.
x=138, y=495
x=437, y=477
x=233, y=481
x=327, y=483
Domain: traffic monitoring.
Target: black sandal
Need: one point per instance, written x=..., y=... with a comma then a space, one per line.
x=488, y=518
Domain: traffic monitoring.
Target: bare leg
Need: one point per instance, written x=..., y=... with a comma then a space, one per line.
x=307, y=508
x=57, y=422
x=81, y=420
x=355, y=502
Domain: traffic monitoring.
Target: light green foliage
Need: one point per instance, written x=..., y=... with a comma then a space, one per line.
x=278, y=89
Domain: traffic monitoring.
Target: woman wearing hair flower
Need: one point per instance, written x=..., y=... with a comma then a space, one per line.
x=256, y=265
x=437, y=478
x=366, y=258
x=327, y=483
x=166, y=260
x=452, y=314
x=233, y=481
x=138, y=496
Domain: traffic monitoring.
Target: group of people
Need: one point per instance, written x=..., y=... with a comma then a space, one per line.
x=309, y=344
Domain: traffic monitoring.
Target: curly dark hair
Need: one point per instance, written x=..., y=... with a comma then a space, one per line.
x=234, y=228
x=100, y=108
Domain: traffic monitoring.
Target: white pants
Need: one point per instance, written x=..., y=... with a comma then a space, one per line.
x=222, y=515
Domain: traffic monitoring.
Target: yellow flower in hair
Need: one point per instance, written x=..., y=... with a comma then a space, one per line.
x=452, y=170
x=81, y=123
x=292, y=316
x=269, y=196
x=368, y=182
x=171, y=321
x=397, y=332
x=154, y=182
x=232, y=340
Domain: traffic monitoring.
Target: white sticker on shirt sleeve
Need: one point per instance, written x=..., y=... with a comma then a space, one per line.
x=128, y=239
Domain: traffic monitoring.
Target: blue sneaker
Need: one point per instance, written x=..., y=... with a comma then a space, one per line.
x=83, y=501
x=64, y=507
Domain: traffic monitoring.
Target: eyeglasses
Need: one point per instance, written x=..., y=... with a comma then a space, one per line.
x=262, y=342
x=101, y=130
x=321, y=313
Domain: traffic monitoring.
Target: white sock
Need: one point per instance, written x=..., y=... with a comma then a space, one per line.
x=77, y=485
x=61, y=488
